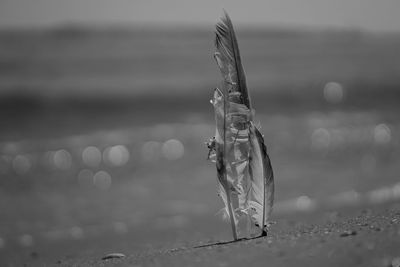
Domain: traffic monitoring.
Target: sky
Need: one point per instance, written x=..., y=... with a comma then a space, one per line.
x=373, y=15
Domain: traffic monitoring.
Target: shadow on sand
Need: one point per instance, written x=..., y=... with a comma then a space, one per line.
x=228, y=242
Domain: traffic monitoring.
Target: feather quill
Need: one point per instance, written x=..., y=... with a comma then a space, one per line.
x=244, y=171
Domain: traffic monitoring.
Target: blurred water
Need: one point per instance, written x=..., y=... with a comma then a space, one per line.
x=102, y=132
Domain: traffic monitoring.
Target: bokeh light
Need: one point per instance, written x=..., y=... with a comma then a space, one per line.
x=21, y=164
x=382, y=134
x=10, y=148
x=333, y=92
x=305, y=203
x=91, y=156
x=380, y=195
x=116, y=155
x=102, y=180
x=26, y=240
x=173, y=149
x=396, y=191
x=320, y=139
x=62, y=159
x=76, y=232
x=47, y=160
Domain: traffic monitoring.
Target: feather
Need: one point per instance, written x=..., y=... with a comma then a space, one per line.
x=229, y=62
x=244, y=172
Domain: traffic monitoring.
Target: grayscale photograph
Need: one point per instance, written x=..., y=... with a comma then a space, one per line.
x=200, y=133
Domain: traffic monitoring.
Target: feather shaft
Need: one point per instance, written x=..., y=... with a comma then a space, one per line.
x=228, y=193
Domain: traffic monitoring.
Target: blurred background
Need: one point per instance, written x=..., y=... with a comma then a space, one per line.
x=104, y=111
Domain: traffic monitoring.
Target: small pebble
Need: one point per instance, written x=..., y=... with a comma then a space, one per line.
x=113, y=256
x=396, y=262
x=348, y=233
